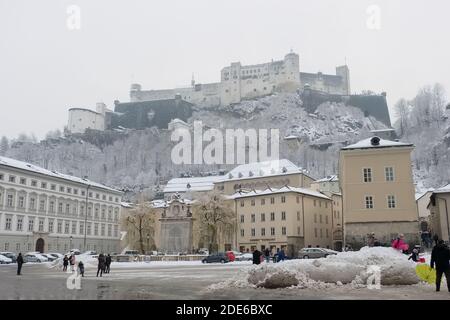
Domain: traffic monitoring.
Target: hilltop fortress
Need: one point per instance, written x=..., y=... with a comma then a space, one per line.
x=240, y=82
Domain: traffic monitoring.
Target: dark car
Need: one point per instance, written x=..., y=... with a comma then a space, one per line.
x=10, y=255
x=221, y=257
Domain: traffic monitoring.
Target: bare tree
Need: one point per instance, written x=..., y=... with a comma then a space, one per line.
x=216, y=216
x=141, y=220
x=402, y=112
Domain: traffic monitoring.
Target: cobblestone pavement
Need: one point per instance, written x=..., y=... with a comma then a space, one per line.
x=175, y=282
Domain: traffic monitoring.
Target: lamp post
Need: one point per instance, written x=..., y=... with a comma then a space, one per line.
x=71, y=238
x=85, y=216
x=148, y=241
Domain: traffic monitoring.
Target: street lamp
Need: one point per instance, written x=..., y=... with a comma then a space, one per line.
x=71, y=238
x=148, y=241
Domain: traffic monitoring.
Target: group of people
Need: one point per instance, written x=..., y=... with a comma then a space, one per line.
x=259, y=256
x=70, y=260
x=104, y=264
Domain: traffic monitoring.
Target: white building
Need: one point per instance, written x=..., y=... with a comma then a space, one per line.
x=42, y=210
x=81, y=119
x=239, y=82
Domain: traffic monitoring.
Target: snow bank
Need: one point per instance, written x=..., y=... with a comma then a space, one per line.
x=345, y=268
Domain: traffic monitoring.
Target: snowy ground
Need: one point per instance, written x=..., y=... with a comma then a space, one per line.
x=337, y=277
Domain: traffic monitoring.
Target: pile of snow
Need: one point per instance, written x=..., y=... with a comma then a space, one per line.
x=345, y=268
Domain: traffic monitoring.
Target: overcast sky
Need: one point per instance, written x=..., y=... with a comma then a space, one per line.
x=46, y=68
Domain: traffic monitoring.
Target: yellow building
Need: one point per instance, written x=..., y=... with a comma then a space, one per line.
x=378, y=192
x=439, y=217
x=289, y=217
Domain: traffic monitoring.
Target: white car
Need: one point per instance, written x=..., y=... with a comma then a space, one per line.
x=35, y=257
x=48, y=256
x=4, y=260
x=56, y=255
x=245, y=257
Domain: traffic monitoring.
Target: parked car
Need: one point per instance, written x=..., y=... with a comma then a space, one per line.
x=34, y=257
x=10, y=255
x=48, y=256
x=131, y=253
x=231, y=256
x=203, y=251
x=90, y=253
x=57, y=255
x=75, y=251
x=221, y=257
x=5, y=260
x=245, y=257
x=307, y=253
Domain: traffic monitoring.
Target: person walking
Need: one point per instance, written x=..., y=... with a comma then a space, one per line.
x=267, y=255
x=281, y=255
x=440, y=257
x=81, y=268
x=101, y=264
x=257, y=256
x=72, y=263
x=19, y=264
x=107, y=263
x=65, y=263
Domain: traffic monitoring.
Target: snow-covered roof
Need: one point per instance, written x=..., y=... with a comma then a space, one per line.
x=332, y=178
x=382, y=143
x=262, y=169
x=191, y=184
x=35, y=169
x=444, y=189
x=421, y=194
x=270, y=191
x=166, y=203
x=383, y=130
x=126, y=205
x=291, y=137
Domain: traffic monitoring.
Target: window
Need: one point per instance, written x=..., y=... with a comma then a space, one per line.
x=315, y=232
x=33, y=183
x=104, y=197
x=21, y=202
x=391, y=201
x=30, y=224
x=242, y=232
x=53, y=187
x=43, y=185
x=74, y=227
x=97, y=196
x=90, y=194
x=103, y=230
x=253, y=202
x=9, y=200
x=59, y=230
x=88, y=229
x=8, y=222
x=67, y=208
x=41, y=225
x=389, y=173
x=253, y=232
x=367, y=174
x=298, y=199
x=23, y=181
x=18, y=247
x=326, y=219
x=74, y=210
x=298, y=215
x=2, y=176
x=66, y=227
x=253, y=217
x=298, y=230
x=272, y=216
x=242, y=203
x=69, y=190
x=272, y=231
x=116, y=199
x=19, y=225
x=95, y=229
x=32, y=203
x=81, y=228
x=326, y=204
x=283, y=199
x=327, y=233
x=315, y=202
x=52, y=206
x=50, y=226
x=109, y=230
x=369, y=202
x=315, y=217
x=283, y=231
x=6, y=246
x=61, y=189
x=263, y=231
x=263, y=217
x=96, y=213
x=320, y=218
x=272, y=200
x=83, y=193
x=75, y=191
x=263, y=201
x=110, y=198
x=283, y=215
x=42, y=205
x=12, y=179
x=116, y=231
x=321, y=234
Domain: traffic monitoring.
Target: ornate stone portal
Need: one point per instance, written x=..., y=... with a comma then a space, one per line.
x=176, y=226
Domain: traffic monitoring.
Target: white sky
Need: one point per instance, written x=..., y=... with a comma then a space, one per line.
x=45, y=68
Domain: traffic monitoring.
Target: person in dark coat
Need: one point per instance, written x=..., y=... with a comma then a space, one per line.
x=65, y=263
x=281, y=255
x=415, y=255
x=257, y=256
x=440, y=256
x=81, y=268
x=101, y=264
x=107, y=263
x=267, y=255
x=19, y=264
x=435, y=239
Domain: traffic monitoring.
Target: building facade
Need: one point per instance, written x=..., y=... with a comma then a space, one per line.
x=46, y=211
x=239, y=82
x=439, y=217
x=378, y=191
x=82, y=119
x=287, y=218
